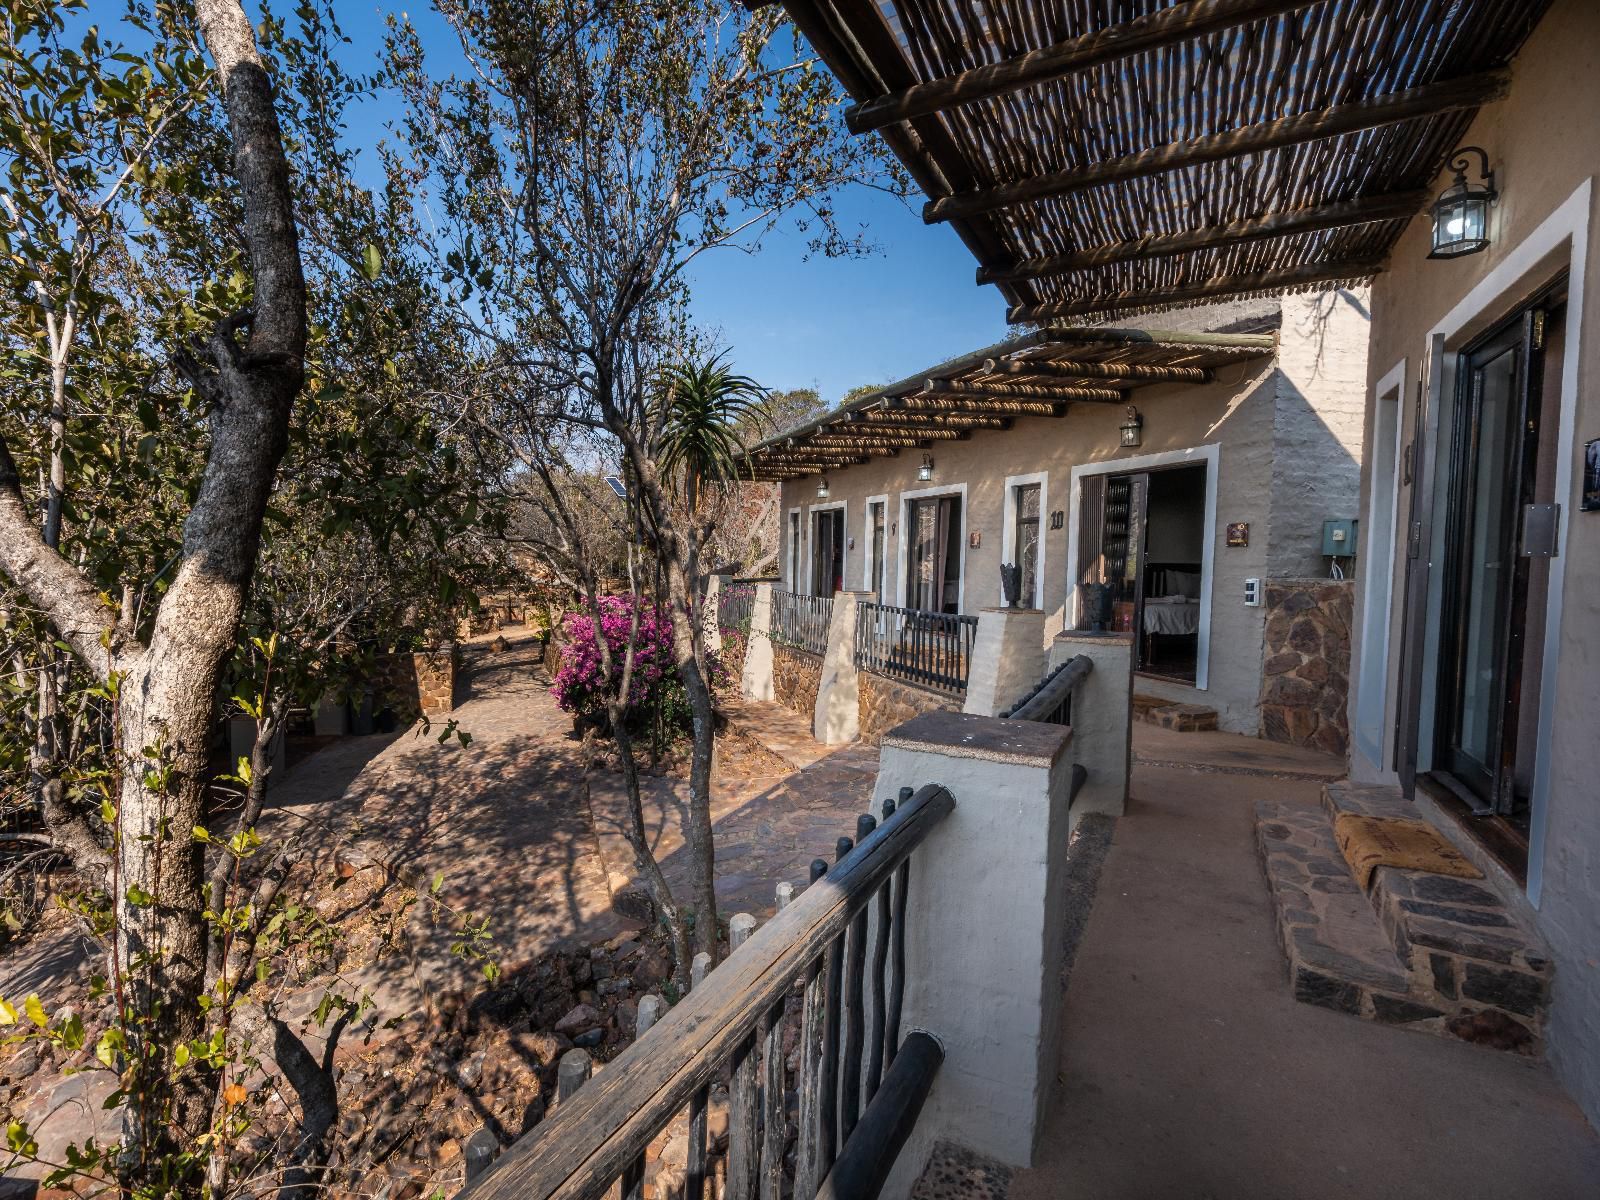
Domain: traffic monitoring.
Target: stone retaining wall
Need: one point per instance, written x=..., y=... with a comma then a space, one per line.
x=416, y=684
x=1305, y=670
x=796, y=675
x=885, y=703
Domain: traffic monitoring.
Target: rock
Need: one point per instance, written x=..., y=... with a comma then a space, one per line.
x=577, y=1020
x=651, y=970
x=449, y=1150
x=23, y=1063
x=589, y=1039
x=625, y=946
x=470, y=1070
x=1488, y=1027
x=613, y=987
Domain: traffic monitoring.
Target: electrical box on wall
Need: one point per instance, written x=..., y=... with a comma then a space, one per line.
x=1339, y=539
x=1252, y=592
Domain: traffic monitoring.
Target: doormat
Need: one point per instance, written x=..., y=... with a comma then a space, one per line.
x=1368, y=843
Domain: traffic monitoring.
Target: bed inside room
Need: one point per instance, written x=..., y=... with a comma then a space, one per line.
x=1175, y=507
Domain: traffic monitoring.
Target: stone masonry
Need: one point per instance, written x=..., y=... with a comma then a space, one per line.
x=1430, y=952
x=1305, y=672
x=886, y=703
x=796, y=674
x=414, y=684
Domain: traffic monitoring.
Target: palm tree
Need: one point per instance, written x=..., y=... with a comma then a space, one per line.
x=701, y=407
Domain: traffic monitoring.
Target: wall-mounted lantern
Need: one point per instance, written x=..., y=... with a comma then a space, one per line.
x=1132, y=429
x=822, y=488
x=1461, y=213
x=925, y=471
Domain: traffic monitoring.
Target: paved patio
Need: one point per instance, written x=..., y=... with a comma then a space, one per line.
x=1188, y=1070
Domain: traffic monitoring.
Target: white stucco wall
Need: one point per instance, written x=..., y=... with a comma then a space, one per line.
x=1543, y=143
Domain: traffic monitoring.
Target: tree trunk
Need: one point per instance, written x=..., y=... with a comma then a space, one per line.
x=687, y=643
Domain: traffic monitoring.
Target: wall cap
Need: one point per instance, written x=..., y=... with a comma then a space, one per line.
x=1089, y=635
x=989, y=739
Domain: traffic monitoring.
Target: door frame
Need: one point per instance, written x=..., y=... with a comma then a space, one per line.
x=797, y=548
x=1008, y=532
x=1368, y=726
x=811, y=535
x=1209, y=456
x=1560, y=243
x=904, y=503
x=866, y=546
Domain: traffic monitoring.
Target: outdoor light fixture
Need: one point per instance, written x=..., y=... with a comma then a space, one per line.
x=1461, y=213
x=1132, y=428
x=925, y=471
x=822, y=488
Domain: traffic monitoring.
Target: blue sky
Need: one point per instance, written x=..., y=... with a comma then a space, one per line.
x=794, y=321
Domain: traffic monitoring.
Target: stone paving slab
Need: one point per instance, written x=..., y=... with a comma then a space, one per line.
x=1432, y=952
x=778, y=729
x=766, y=827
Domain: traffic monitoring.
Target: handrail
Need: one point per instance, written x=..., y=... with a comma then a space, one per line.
x=1051, y=701
x=927, y=648
x=591, y=1139
x=869, y=1156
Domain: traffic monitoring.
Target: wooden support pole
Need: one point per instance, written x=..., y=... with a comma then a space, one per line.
x=1181, y=22
x=1228, y=285
x=1428, y=100
x=1020, y=391
x=572, y=1072
x=1125, y=372
x=1339, y=215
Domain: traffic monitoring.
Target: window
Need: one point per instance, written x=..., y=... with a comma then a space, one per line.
x=1025, y=539
x=933, y=576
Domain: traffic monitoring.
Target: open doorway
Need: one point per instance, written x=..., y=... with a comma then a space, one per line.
x=827, y=552
x=1142, y=538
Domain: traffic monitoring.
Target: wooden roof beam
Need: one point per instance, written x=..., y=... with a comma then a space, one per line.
x=1022, y=391
x=1428, y=100
x=1341, y=214
x=1129, y=374
x=1181, y=22
x=986, y=405
x=881, y=419
x=1227, y=285
x=888, y=437
x=1169, y=339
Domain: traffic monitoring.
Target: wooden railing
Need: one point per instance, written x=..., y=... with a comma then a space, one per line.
x=730, y=1026
x=801, y=621
x=926, y=648
x=1051, y=701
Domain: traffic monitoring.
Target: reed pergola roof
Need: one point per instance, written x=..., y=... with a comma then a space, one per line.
x=1039, y=374
x=1107, y=156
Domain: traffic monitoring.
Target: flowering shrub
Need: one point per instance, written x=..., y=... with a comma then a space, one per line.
x=655, y=690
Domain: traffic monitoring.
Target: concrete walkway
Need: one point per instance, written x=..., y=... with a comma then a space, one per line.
x=1188, y=1070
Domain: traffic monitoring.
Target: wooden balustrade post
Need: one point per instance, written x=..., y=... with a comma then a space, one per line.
x=651, y=1007
x=695, y=1185
x=572, y=1072
x=807, y=1176
x=743, y=1160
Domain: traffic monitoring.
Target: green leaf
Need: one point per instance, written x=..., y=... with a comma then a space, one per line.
x=8, y=1013
x=438, y=882
x=138, y=897
x=35, y=1011
x=371, y=262
x=18, y=1141
x=180, y=1055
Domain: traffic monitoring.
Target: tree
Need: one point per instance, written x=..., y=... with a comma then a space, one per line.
x=593, y=152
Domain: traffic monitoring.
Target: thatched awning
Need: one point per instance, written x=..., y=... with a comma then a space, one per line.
x=1037, y=375
x=1104, y=156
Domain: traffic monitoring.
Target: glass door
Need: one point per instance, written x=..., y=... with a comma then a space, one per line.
x=875, y=584
x=1491, y=480
x=933, y=582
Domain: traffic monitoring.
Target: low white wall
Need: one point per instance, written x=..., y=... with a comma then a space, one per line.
x=1008, y=657
x=837, y=717
x=1102, y=718
x=984, y=937
x=756, y=681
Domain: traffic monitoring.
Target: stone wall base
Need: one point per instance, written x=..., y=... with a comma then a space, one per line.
x=886, y=703
x=416, y=684
x=1305, y=669
x=796, y=676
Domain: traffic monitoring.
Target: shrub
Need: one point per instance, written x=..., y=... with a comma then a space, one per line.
x=655, y=693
